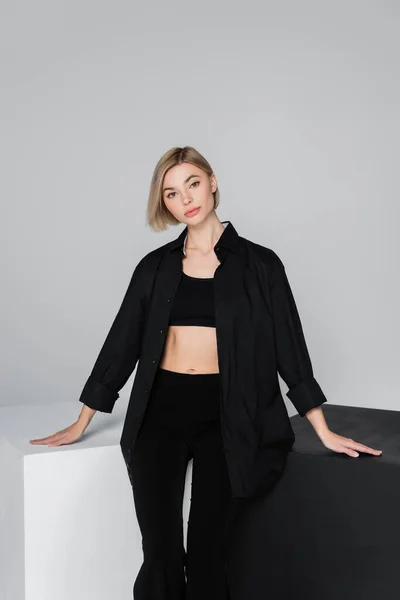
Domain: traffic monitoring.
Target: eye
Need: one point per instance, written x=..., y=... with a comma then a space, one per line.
x=169, y=195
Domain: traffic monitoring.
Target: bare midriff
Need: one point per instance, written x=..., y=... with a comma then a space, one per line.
x=191, y=348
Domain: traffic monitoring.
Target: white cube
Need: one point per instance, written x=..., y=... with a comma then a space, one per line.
x=68, y=522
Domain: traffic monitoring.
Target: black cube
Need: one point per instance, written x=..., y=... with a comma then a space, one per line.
x=330, y=528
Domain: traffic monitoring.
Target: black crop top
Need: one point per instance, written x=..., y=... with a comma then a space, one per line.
x=194, y=302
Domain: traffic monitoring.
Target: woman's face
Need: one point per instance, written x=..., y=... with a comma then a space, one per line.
x=187, y=187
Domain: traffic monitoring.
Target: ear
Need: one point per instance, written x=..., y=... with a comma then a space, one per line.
x=213, y=181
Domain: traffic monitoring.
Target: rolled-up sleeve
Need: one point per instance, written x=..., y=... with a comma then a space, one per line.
x=293, y=360
x=120, y=351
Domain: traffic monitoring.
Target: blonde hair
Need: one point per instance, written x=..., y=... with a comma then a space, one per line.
x=158, y=216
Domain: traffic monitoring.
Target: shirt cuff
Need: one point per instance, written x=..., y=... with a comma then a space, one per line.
x=306, y=395
x=98, y=396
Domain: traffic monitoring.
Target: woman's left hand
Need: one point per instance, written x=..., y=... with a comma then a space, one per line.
x=341, y=444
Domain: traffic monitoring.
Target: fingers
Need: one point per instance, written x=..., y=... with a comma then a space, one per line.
x=64, y=436
x=42, y=440
x=64, y=439
x=352, y=453
x=354, y=446
x=55, y=438
x=50, y=439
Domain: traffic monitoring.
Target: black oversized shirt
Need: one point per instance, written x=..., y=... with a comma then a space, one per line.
x=259, y=334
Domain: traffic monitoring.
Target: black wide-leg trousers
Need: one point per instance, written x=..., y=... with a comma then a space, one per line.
x=182, y=421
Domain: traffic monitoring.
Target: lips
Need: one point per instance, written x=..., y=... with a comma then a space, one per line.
x=194, y=211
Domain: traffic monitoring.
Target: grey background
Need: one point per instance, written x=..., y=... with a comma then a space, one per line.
x=296, y=106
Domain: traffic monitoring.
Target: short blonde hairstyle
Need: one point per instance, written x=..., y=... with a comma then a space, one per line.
x=158, y=216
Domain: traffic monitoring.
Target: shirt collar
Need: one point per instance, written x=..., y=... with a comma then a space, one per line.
x=228, y=239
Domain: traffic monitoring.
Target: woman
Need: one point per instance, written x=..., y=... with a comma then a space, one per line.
x=212, y=320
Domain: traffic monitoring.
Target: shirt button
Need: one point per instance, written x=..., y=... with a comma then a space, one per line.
x=145, y=391
x=154, y=361
x=161, y=330
x=168, y=300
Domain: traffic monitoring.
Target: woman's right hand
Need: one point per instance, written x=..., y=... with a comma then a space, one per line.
x=69, y=435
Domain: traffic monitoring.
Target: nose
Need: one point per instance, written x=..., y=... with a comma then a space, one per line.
x=186, y=199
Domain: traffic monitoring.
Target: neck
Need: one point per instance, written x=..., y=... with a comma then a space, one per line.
x=203, y=236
